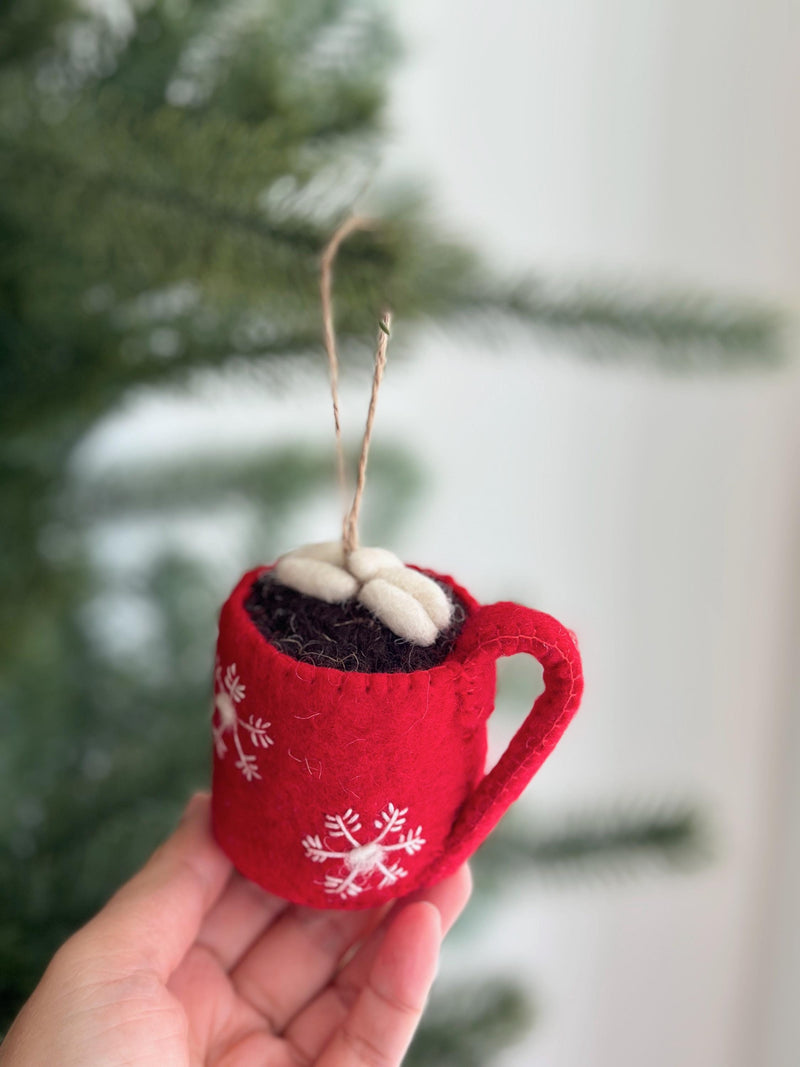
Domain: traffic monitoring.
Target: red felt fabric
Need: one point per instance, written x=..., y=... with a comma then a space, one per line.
x=371, y=785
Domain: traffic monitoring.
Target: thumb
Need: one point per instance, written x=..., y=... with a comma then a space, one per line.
x=150, y=923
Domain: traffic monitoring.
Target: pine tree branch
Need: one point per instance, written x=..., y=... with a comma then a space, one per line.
x=177, y=202
x=620, y=841
x=673, y=329
x=622, y=321
x=145, y=194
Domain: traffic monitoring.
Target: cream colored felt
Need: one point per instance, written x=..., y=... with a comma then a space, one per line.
x=427, y=593
x=328, y=551
x=317, y=571
x=399, y=610
x=410, y=604
x=365, y=563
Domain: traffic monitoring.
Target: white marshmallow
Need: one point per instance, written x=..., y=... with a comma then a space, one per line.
x=365, y=563
x=316, y=578
x=412, y=605
x=423, y=589
x=398, y=610
x=328, y=551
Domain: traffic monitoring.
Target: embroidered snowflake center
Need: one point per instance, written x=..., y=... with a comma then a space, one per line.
x=365, y=858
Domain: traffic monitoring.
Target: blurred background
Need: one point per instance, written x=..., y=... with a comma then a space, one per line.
x=590, y=236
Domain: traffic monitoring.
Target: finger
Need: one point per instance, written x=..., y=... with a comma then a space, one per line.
x=381, y=1024
x=295, y=959
x=240, y=916
x=152, y=920
x=311, y=1030
x=449, y=896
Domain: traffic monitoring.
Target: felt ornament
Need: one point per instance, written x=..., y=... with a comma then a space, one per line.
x=351, y=695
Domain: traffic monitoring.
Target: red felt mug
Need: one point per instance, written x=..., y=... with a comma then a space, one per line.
x=343, y=789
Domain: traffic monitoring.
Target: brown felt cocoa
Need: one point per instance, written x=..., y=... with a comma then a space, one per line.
x=346, y=636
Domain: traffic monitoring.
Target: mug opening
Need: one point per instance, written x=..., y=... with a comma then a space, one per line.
x=246, y=602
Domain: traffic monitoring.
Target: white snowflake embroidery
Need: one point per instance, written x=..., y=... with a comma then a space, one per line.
x=230, y=691
x=361, y=861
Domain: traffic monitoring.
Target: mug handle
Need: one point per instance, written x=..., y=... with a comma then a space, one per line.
x=505, y=629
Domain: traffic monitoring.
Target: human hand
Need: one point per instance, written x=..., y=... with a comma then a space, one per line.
x=190, y=965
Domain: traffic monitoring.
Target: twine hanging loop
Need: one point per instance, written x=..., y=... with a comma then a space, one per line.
x=409, y=603
x=353, y=223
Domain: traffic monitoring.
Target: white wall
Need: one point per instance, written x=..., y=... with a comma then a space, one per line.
x=612, y=133
x=656, y=141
